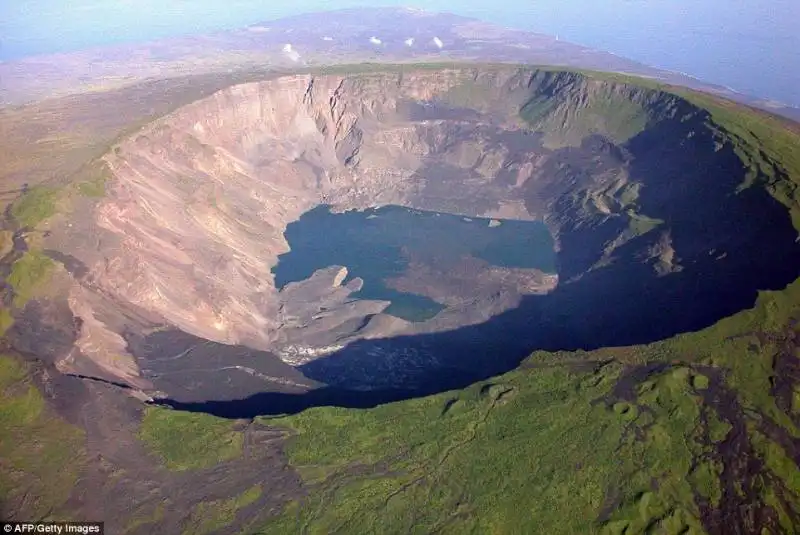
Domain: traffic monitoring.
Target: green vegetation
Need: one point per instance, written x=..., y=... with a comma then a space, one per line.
x=214, y=515
x=95, y=188
x=6, y=320
x=734, y=345
x=367, y=67
x=41, y=455
x=145, y=518
x=35, y=205
x=780, y=466
x=11, y=372
x=187, y=441
x=537, y=109
x=6, y=242
x=629, y=194
x=538, y=449
x=28, y=276
x=95, y=179
x=778, y=462
x=639, y=224
x=700, y=382
x=705, y=479
x=603, y=109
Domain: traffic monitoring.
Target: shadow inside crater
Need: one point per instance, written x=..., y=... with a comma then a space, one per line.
x=715, y=247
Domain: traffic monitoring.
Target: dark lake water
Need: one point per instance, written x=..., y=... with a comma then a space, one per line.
x=377, y=244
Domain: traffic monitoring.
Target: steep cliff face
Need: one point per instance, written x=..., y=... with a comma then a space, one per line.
x=626, y=178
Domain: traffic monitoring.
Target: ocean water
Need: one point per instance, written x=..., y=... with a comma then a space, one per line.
x=751, y=47
x=377, y=244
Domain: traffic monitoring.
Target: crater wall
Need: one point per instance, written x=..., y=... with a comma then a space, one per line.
x=644, y=194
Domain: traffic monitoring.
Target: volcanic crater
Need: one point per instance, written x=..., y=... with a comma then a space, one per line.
x=656, y=227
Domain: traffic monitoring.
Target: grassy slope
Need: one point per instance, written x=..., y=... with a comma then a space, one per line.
x=617, y=118
x=534, y=450
x=211, y=516
x=36, y=205
x=29, y=274
x=187, y=441
x=40, y=455
x=27, y=277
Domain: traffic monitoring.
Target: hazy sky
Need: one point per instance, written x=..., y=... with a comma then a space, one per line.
x=750, y=45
